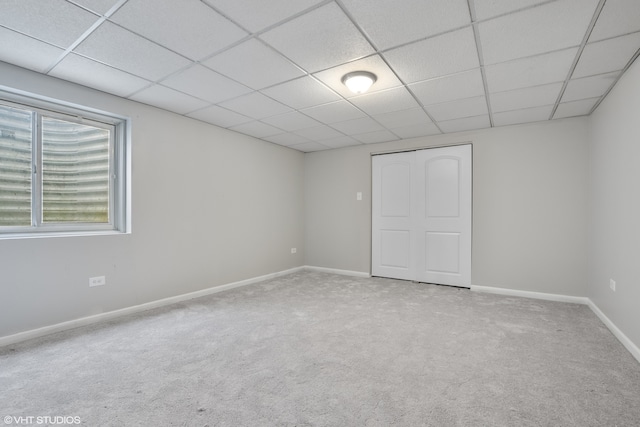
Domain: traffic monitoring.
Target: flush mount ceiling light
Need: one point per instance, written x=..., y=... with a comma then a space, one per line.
x=359, y=81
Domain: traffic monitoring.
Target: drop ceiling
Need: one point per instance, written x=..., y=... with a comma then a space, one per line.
x=272, y=69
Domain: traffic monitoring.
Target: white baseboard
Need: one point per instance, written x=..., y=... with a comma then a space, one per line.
x=529, y=294
x=337, y=271
x=626, y=342
x=46, y=330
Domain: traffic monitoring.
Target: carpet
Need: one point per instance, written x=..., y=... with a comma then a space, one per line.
x=317, y=349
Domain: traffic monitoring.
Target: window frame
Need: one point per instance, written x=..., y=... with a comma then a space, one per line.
x=119, y=165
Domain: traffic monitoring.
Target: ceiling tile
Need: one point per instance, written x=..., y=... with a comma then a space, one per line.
x=168, y=99
x=188, y=27
x=486, y=9
x=356, y=126
x=316, y=47
x=256, y=15
x=607, y=55
x=203, y=83
x=286, y=139
x=219, y=116
x=549, y=27
x=386, y=79
x=97, y=6
x=375, y=137
x=256, y=129
x=341, y=141
x=301, y=93
x=575, y=108
x=319, y=133
x=533, y=71
x=122, y=49
x=438, y=56
x=309, y=147
x=292, y=121
x=460, y=125
x=618, y=17
x=334, y=112
x=385, y=101
x=414, y=131
x=53, y=21
x=588, y=87
x=389, y=23
x=255, y=105
x=403, y=118
x=26, y=52
x=457, y=86
x=526, y=115
x=525, y=98
x=86, y=72
x=458, y=109
x=254, y=64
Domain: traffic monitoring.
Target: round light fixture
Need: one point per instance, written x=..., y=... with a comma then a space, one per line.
x=359, y=81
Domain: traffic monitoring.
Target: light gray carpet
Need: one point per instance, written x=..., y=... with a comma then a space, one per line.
x=315, y=349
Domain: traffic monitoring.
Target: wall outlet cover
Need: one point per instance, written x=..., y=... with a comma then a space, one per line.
x=97, y=281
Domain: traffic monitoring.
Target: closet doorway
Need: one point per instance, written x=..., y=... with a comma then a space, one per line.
x=421, y=215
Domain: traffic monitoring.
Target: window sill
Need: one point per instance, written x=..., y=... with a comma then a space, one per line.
x=18, y=236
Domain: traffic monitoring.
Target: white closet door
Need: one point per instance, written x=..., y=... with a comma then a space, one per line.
x=393, y=241
x=443, y=217
x=421, y=215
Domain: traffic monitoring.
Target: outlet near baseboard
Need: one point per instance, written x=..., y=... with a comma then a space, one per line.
x=612, y=284
x=97, y=281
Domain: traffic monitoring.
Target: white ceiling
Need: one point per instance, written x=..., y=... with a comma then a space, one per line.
x=272, y=69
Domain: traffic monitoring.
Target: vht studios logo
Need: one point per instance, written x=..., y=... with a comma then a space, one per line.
x=41, y=420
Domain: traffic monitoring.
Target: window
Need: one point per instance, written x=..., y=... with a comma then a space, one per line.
x=62, y=169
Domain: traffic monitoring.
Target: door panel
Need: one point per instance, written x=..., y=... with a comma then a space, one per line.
x=395, y=190
x=442, y=254
x=395, y=248
x=442, y=187
x=392, y=240
x=444, y=219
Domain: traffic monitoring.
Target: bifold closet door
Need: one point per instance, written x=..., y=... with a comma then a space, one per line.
x=421, y=215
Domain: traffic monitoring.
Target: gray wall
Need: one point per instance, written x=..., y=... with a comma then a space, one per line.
x=210, y=207
x=615, y=205
x=530, y=198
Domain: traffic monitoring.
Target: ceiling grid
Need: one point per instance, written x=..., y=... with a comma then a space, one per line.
x=578, y=56
x=273, y=70
x=476, y=34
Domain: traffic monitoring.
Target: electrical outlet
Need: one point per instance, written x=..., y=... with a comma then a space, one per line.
x=612, y=284
x=97, y=281
x=294, y=250
x=359, y=195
